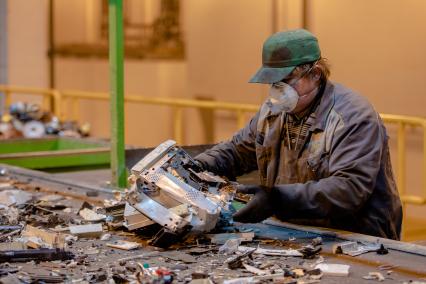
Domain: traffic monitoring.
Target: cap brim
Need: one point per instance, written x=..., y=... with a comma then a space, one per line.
x=269, y=75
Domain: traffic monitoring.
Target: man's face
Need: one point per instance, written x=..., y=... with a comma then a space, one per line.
x=306, y=87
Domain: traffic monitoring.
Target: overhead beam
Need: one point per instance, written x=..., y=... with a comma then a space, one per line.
x=118, y=168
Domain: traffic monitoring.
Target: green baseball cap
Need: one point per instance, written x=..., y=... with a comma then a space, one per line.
x=283, y=51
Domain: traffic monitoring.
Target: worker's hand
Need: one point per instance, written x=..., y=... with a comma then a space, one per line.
x=192, y=164
x=260, y=206
x=199, y=165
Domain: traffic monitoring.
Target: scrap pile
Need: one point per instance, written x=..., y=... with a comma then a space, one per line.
x=29, y=121
x=172, y=225
x=53, y=238
x=50, y=238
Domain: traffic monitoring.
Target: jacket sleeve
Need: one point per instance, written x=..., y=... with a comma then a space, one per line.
x=234, y=157
x=354, y=162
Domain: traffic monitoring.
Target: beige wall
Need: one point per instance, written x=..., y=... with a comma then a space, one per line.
x=223, y=39
x=218, y=65
x=27, y=43
x=144, y=125
x=377, y=48
x=76, y=20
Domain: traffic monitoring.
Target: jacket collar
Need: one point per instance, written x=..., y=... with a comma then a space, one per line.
x=322, y=111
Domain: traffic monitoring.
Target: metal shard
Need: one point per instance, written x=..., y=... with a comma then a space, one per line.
x=158, y=213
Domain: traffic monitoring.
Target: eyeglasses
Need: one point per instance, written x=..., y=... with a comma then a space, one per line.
x=293, y=81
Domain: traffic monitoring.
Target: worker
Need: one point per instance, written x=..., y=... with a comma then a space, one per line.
x=321, y=150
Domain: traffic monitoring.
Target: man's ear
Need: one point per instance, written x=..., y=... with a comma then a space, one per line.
x=317, y=74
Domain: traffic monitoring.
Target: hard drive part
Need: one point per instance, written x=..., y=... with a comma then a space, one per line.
x=152, y=157
x=186, y=193
x=133, y=219
x=171, y=190
x=157, y=212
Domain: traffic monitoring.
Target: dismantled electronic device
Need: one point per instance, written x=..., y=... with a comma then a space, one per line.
x=171, y=190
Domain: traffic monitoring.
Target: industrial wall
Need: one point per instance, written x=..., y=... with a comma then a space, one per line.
x=374, y=47
x=27, y=42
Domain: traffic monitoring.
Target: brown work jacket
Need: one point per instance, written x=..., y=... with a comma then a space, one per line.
x=342, y=176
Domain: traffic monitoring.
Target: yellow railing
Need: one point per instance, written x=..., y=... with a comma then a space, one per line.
x=46, y=94
x=402, y=122
x=71, y=98
x=177, y=104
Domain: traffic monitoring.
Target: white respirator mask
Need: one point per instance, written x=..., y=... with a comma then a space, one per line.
x=283, y=97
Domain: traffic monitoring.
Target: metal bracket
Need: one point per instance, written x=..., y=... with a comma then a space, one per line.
x=158, y=213
x=152, y=157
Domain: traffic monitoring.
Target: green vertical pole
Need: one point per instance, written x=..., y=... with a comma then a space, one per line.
x=118, y=168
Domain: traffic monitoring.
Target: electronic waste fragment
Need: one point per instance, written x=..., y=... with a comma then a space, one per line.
x=171, y=190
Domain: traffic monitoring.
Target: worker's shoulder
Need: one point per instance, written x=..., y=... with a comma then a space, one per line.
x=351, y=105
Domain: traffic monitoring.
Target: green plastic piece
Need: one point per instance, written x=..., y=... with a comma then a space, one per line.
x=237, y=205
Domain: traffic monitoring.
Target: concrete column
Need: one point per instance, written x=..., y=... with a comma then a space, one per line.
x=3, y=48
x=290, y=14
